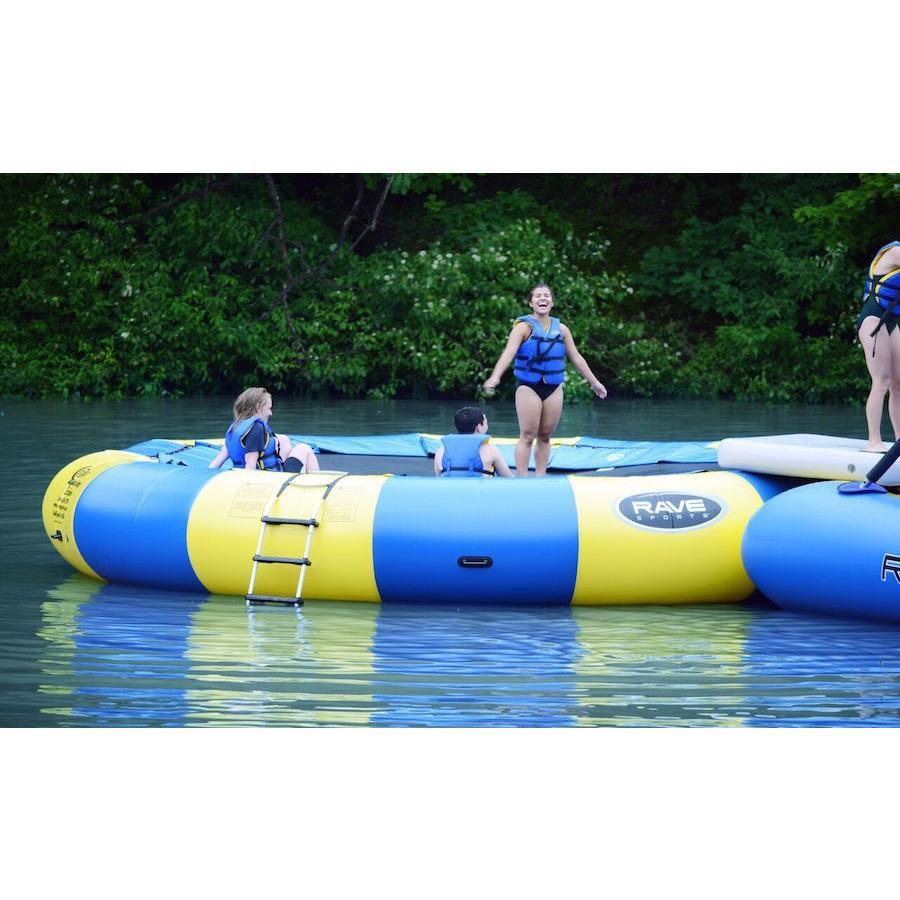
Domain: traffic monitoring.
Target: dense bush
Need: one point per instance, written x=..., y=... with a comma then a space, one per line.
x=126, y=285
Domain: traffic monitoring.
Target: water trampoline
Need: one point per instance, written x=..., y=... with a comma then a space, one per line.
x=616, y=522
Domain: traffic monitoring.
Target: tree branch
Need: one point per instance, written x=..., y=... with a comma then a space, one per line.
x=289, y=280
x=309, y=272
x=262, y=239
x=373, y=222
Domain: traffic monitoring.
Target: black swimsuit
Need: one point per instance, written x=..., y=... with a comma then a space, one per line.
x=873, y=308
x=542, y=390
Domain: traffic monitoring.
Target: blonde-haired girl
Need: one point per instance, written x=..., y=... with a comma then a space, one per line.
x=251, y=444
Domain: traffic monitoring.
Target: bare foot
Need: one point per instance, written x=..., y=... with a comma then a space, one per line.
x=880, y=447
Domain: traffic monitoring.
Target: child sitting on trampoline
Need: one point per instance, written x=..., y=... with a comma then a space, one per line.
x=251, y=444
x=468, y=453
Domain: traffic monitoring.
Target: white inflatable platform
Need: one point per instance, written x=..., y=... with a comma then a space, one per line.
x=804, y=456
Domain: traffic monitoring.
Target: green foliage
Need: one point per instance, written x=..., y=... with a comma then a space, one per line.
x=435, y=321
x=772, y=363
x=730, y=286
x=431, y=184
x=760, y=298
x=860, y=218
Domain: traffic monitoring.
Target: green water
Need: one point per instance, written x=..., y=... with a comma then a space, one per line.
x=78, y=653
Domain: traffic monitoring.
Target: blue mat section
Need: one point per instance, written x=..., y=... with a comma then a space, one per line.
x=588, y=453
x=606, y=453
x=371, y=445
x=619, y=454
x=198, y=456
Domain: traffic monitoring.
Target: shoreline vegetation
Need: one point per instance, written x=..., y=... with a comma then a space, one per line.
x=689, y=286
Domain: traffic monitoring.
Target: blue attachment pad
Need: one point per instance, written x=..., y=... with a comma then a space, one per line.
x=373, y=445
x=588, y=453
x=198, y=455
x=477, y=519
x=621, y=454
x=131, y=524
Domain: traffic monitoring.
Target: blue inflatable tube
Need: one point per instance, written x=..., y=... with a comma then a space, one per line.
x=817, y=550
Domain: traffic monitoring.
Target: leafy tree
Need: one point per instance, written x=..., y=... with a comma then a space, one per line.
x=407, y=285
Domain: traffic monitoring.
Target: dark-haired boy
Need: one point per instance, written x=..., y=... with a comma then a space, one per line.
x=468, y=453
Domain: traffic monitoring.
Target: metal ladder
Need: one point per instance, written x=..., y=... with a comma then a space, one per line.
x=303, y=561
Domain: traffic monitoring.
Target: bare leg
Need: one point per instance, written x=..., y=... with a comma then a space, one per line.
x=894, y=395
x=551, y=411
x=879, y=367
x=284, y=446
x=528, y=409
x=307, y=456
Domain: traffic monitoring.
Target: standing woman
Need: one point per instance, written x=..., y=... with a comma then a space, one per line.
x=878, y=319
x=540, y=344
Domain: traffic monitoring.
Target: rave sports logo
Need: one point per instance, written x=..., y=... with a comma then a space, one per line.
x=891, y=564
x=668, y=510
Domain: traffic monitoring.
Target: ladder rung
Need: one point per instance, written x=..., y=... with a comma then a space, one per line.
x=277, y=520
x=286, y=560
x=268, y=598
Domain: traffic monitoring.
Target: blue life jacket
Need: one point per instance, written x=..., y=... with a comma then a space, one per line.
x=884, y=288
x=461, y=458
x=542, y=356
x=234, y=441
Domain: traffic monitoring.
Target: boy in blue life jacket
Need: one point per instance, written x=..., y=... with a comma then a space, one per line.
x=468, y=453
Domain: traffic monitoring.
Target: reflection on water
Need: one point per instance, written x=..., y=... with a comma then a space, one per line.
x=662, y=668
x=819, y=670
x=471, y=666
x=116, y=656
x=280, y=665
x=127, y=656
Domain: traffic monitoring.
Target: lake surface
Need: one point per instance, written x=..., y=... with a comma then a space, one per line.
x=75, y=652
